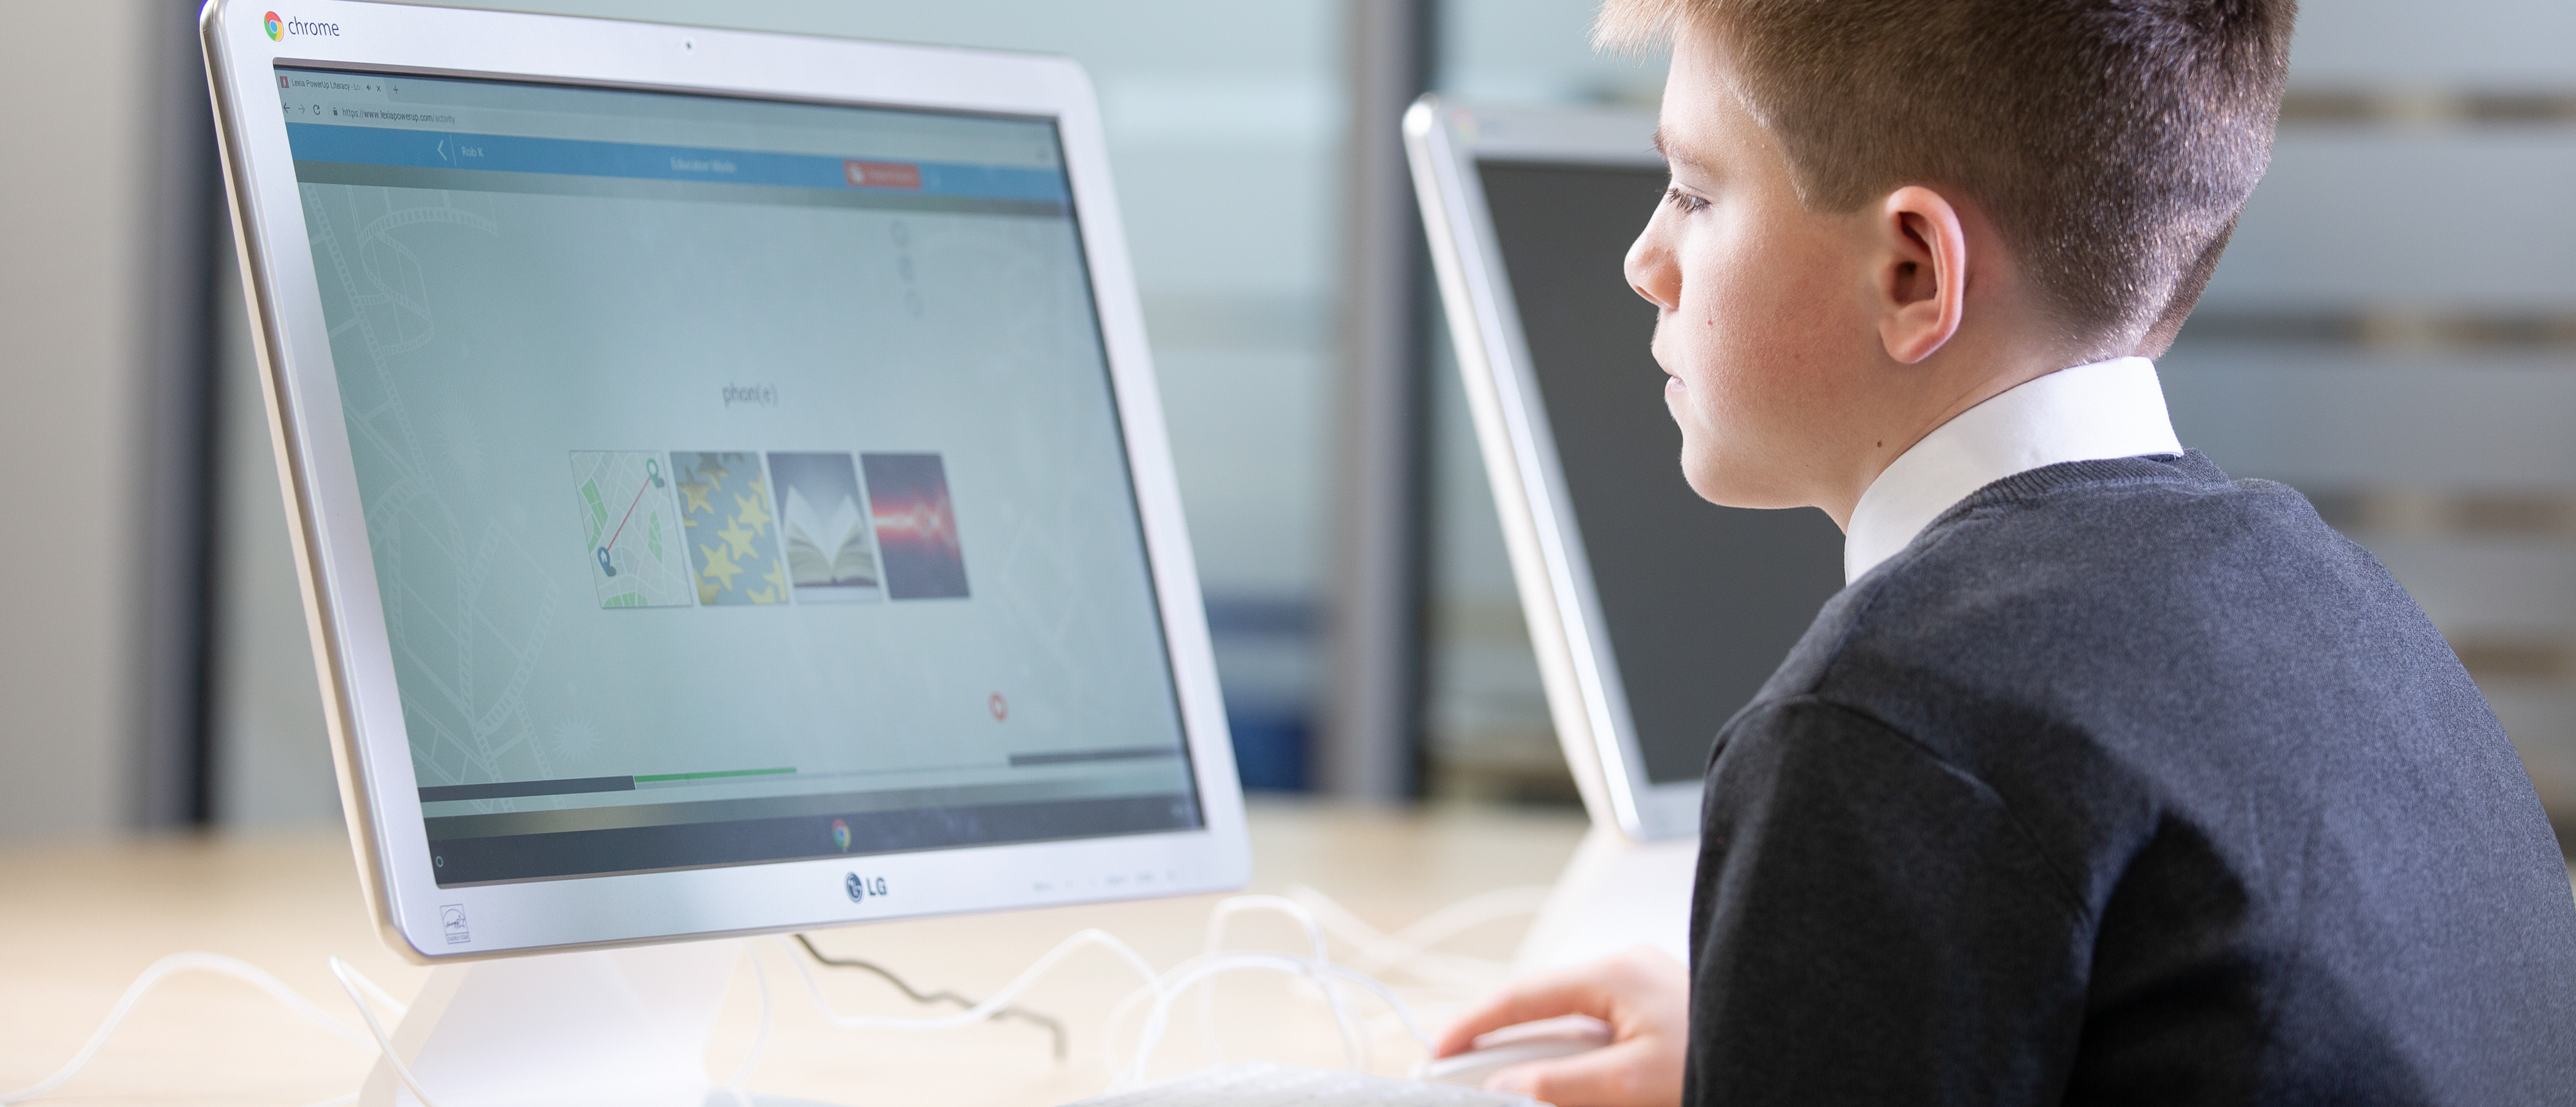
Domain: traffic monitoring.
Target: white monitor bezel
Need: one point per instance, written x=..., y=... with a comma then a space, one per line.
x=378, y=789
x=1586, y=700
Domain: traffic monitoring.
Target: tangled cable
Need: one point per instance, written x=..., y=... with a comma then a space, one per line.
x=176, y=963
x=1407, y=950
x=1163, y=989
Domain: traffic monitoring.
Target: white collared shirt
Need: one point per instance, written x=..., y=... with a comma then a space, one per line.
x=2091, y=412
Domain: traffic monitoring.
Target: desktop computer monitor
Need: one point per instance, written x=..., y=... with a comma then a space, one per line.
x=1654, y=614
x=729, y=485
x=731, y=497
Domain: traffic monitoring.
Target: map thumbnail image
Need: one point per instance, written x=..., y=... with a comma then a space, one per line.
x=729, y=528
x=830, y=558
x=631, y=532
x=916, y=527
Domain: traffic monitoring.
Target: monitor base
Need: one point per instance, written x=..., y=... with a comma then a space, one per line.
x=623, y=1027
x=1616, y=894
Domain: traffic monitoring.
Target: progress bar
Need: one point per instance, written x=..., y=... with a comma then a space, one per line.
x=579, y=785
x=1122, y=753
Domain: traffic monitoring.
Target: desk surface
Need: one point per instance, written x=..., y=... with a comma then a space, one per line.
x=81, y=921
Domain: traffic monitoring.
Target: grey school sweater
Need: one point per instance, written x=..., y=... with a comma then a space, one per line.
x=2125, y=783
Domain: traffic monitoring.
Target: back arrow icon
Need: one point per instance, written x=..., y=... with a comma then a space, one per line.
x=442, y=149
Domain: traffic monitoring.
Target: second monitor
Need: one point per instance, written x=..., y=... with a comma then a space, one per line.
x=1655, y=615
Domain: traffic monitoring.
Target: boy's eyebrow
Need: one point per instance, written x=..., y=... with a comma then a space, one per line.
x=1666, y=152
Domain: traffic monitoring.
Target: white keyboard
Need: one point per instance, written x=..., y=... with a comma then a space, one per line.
x=1263, y=1084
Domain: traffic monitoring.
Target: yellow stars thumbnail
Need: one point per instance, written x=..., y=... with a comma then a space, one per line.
x=720, y=567
x=737, y=558
x=694, y=493
x=737, y=539
x=777, y=590
x=755, y=514
x=754, y=508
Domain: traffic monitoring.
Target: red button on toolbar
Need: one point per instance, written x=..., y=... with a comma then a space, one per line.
x=882, y=174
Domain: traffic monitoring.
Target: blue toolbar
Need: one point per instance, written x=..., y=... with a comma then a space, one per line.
x=584, y=158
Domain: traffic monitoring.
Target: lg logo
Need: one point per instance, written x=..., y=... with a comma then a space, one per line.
x=860, y=887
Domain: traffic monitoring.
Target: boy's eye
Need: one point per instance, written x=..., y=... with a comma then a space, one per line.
x=1684, y=201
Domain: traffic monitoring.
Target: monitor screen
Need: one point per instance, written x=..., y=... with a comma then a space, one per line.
x=1702, y=602
x=743, y=479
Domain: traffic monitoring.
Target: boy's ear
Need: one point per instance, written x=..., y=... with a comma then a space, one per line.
x=1922, y=275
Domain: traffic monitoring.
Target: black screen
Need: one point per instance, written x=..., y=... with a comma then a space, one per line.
x=1702, y=601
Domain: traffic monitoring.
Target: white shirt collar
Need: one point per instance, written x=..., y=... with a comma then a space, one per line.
x=2090, y=412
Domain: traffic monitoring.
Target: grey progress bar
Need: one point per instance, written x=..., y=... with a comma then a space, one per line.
x=1125, y=753
x=514, y=789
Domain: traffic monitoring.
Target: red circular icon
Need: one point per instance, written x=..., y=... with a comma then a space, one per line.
x=1001, y=708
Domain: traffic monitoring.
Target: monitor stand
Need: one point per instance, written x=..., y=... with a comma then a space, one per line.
x=626, y=1027
x=1616, y=894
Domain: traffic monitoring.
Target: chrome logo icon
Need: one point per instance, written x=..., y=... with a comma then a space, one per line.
x=276, y=29
x=841, y=835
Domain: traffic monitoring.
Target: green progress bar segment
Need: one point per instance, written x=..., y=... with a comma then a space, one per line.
x=720, y=775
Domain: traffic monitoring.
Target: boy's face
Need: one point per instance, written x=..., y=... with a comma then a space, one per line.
x=1764, y=308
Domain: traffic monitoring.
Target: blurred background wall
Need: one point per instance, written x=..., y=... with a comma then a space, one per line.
x=76, y=259
x=104, y=312
x=2390, y=333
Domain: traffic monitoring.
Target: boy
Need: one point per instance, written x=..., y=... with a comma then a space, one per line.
x=2106, y=779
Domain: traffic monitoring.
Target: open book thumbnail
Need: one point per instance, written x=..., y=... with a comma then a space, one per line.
x=830, y=554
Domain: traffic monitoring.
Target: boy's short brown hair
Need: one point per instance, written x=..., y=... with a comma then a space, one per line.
x=2111, y=141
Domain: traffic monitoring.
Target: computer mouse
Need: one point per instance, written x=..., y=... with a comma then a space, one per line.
x=1514, y=1045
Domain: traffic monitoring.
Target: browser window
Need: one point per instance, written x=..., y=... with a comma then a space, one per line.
x=743, y=479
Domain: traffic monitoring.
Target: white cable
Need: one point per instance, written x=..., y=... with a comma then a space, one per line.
x=760, y=1038
x=152, y=977
x=1353, y=1049
x=1149, y=1036
x=989, y=1007
x=1409, y=949
x=1118, y=1016
x=1376, y=951
x=1413, y=940
x=382, y=997
x=1234, y=905
x=1197, y=969
x=1469, y=913
x=344, y=972
x=1119, y=1071
x=1164, y=988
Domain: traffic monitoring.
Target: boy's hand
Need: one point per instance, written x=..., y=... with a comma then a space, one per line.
x=1642, y=994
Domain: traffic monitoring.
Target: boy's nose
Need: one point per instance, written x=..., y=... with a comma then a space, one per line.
x=1650, y=271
